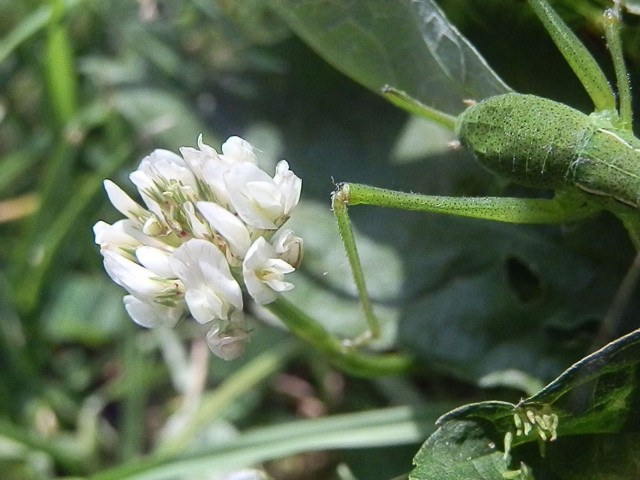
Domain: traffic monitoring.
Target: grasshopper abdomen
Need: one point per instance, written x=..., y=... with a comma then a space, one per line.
x=538, y=142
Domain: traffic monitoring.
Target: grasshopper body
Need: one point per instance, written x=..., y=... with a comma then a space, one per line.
x=538, y=142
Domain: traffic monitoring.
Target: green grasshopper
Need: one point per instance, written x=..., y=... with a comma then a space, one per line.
x=591, y=161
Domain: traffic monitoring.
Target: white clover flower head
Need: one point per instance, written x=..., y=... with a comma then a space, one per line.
x=209, y=227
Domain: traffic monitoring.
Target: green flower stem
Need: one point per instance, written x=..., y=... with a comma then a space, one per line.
x=346, y=358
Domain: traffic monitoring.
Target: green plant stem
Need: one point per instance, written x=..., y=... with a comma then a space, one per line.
x=346, y=358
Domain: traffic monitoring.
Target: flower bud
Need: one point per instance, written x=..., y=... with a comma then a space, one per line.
x=229, y=343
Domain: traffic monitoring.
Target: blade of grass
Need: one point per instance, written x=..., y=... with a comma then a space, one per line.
x=61, y=74
x=375, y=428
x=29, y=27
x=45, y=245
x=213, y=404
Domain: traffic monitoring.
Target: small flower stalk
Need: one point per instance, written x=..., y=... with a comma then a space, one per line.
x=209, y=229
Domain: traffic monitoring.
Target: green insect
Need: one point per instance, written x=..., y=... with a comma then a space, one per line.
x=591, y=161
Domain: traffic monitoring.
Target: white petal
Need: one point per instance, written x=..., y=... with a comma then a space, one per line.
x=156, y=260
x=213, y=173
x=290, y=186
x=123, y=202
x=237, y=149
x=151, y=315
x=185, y=261
x=112, y=237
x=124, y=235
x=263, y=272
x=159, y=172
x=228, y=225
x=197, y=158
x=165, y=165
x=223, y=283
x=136, y=279
x=198, y=228
x=203, y=305
x=265, y=195
x=145, y=185
x=211, y=290
x=254, y=195
x=288, y=246
x=208, y=150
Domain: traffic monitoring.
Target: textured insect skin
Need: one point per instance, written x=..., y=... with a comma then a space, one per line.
x=538, y=142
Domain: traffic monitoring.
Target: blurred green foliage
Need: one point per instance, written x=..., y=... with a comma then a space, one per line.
x=87, y=88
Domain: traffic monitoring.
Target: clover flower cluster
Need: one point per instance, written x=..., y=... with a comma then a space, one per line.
x=211, y=227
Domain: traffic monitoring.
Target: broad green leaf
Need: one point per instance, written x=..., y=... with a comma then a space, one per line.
x=459, y=450
x=409, y=45
x=593, y=404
